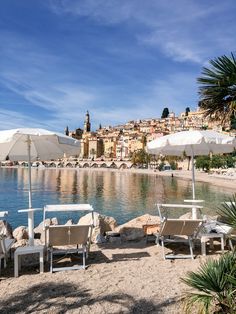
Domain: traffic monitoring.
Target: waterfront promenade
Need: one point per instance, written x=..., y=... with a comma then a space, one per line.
x=226, y=178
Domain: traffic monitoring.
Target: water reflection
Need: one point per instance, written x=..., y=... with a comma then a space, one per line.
x=120, y=194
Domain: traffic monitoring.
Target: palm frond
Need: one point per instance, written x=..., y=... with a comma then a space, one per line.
x=228, y=211
x=213, y=282
x=203, y=301
x=218, y=88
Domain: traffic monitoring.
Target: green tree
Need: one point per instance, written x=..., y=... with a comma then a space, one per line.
x=141, y=157
x=230, y=161
x=67, y=131
x=165, y=113
x=161, y=166
x=144, y=140
x=218, y=88
x=218, y=161
x=173, y=165
x=203, y=162
x=187, y=110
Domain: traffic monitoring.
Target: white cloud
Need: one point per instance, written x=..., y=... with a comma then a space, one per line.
x=11, y=119
x=184, y=30
x=68, y=104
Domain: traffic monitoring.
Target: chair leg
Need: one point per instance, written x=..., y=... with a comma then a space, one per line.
x=222, y=244
x=16, y=269
x=19, y=262
x=163, y=248
x=191, y=247
x=211, y=244
x=203, y=246
x=84, y=252
x=231, y=244
x=41, y=261
x=51, y=261
x=157, y=240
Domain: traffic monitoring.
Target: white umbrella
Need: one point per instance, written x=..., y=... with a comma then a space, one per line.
x=192, y=143
x=34, y=144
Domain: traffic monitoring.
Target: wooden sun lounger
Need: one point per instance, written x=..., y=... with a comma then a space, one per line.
x=60, y=237
x=176, y=231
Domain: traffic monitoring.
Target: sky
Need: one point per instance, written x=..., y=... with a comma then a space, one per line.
x=121, y=60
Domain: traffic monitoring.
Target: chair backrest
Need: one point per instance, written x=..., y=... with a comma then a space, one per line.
x=68, y=235
x=68, y=208
x=164, y=207
x=176, y=227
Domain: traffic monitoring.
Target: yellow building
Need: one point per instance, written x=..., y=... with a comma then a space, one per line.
x=109, y=144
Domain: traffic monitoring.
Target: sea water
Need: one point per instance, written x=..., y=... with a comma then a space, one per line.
x=123, y=195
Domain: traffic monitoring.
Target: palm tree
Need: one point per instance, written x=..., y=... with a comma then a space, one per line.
x=214, y=286
x=228, y=211
x=218, y=88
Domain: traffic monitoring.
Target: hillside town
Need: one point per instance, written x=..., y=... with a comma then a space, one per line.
x=121, y=141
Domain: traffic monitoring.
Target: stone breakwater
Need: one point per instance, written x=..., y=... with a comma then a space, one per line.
x=131, y=230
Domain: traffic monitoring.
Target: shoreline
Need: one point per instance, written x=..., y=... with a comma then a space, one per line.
x=227, y=183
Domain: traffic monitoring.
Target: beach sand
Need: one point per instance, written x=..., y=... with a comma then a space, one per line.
x=224, y=181
x=126, y=278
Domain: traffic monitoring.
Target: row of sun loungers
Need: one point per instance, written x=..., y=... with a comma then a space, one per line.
x=75, y=239
x=229, y=173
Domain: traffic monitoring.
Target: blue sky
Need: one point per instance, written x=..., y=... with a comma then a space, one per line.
x=121, y=60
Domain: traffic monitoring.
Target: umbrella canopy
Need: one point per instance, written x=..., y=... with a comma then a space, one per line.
x=34, y=144
x=192, y=143
x=44, y=144
x=197, y=143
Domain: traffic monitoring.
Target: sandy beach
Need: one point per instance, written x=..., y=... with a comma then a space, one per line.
x=201, y=176
x=227, y=182
x=126, y=278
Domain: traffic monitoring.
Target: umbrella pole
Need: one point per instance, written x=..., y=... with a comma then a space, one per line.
x=30, y=213
x=193, y=176
x=194, y=209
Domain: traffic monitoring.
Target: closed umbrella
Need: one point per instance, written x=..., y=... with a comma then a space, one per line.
x=192, y=143
x=35, y=144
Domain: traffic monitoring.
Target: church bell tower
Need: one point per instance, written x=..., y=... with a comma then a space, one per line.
x=87, y=124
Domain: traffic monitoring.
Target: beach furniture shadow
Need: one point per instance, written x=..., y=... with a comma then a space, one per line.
x=129, y=256
x=53, y=297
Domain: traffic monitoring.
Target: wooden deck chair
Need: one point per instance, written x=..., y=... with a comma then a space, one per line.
x=87, y=208
x=178, y=230
x=62, y=236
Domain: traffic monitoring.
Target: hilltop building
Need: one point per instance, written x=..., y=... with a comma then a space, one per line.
x=121, y=141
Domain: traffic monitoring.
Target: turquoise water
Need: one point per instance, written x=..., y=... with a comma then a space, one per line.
x=120, y=194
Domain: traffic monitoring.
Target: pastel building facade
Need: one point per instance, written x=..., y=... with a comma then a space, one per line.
x=121, y=141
